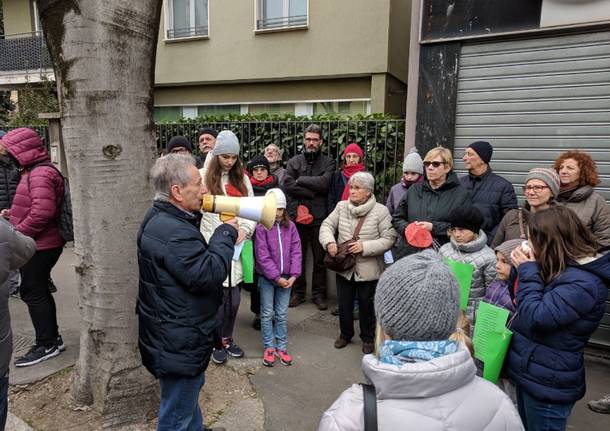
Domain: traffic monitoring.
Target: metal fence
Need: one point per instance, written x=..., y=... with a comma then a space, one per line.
x=24, y=51
x=381, y=140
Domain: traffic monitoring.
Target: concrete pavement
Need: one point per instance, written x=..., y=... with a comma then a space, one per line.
x=293, y=397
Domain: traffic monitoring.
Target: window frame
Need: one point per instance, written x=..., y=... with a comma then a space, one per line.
x=258, y=11
x=169, y=22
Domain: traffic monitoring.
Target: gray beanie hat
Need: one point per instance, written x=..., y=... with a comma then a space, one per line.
x=226, y=143
x=548, y=176
x=507, y=247
x=413, y=162
x=418, y=298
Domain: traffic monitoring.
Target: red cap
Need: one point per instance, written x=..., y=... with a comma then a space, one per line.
x=354, y=148
x=417, y=236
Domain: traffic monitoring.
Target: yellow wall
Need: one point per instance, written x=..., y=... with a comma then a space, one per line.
x=17, y=16
x=345, y=38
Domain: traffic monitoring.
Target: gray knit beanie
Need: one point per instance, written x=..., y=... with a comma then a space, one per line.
x=418, y=298
x=413, y=162
x=226, y=143
x=507, y=247
x=548, y=175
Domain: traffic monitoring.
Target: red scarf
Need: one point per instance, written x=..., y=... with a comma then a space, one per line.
x=347, y=172
x=262, y=183
x=233, y=191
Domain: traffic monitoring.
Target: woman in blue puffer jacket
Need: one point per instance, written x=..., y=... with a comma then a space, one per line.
x=560, y=299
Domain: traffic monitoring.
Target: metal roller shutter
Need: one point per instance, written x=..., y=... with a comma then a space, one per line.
x=533, y=99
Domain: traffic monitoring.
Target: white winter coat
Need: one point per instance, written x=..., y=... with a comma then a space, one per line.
x=377, y=235
x=211, y=221
x=436, y=395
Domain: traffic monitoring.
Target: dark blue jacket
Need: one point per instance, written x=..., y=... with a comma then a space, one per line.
x=493, y=195
x=552, y=326
x=180, y=289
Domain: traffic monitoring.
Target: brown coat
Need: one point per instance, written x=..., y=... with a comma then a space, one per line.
x=511, y=227
x=591, y=209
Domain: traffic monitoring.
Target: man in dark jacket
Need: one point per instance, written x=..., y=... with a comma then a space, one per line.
x=306, y=181
x=206, y=143
x=491, y=193
x=15, y=250
x=180, y=290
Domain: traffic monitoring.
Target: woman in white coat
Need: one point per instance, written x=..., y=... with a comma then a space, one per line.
x=423, y=381
x=223, y=174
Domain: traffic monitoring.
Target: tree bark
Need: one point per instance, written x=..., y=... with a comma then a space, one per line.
x=104, y=60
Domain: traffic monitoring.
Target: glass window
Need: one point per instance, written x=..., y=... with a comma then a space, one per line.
x=167, y=113
x=271, y=108
x=187, y=18
x=341, y=108
x=281, y=13
x=218, y=110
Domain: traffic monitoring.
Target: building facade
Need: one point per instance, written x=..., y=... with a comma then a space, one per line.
x=301, y=57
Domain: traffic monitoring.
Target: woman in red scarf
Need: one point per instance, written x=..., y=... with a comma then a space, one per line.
x=352, y=161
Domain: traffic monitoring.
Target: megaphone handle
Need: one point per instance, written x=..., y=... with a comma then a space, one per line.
x=226, y=216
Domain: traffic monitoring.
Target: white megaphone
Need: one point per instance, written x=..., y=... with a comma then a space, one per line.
x=259, y=209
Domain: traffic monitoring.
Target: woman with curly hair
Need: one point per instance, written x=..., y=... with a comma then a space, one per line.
x=578, y=174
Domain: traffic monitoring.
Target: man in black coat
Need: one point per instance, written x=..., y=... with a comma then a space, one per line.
x=180, y=289
x=491, y=193
x=306, y=182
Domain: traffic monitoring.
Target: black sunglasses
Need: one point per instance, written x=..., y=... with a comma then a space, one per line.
x=434, y=164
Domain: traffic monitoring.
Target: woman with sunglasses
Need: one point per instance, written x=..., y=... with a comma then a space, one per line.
x=430, y=203
x=560, y=300
x=541, y=189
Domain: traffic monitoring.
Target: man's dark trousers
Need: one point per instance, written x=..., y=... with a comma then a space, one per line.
x=310, y=235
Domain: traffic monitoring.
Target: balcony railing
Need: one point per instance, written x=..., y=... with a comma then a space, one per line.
x=280, y=22
x=24, y=51
x=174, y=33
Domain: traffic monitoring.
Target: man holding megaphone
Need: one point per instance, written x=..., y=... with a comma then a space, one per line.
x=181, y=276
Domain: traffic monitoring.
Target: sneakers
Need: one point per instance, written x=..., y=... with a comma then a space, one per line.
x=232, y=349
x=283, y=356
x=295, y=301
x=600, y=406
x=269, y=357
x=219, y=356
x=59, y=343
x=35, y=355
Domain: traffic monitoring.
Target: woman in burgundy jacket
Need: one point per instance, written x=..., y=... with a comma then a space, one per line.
x=35, y=213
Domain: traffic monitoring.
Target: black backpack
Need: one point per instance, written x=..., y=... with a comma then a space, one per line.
x=64, y=222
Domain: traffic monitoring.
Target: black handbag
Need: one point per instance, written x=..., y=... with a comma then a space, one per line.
x=344, y=259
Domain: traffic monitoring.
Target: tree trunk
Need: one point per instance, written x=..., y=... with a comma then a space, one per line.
x=104, y=59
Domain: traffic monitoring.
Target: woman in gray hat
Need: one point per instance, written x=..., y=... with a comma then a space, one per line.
x=541, y=189
x=423, y=380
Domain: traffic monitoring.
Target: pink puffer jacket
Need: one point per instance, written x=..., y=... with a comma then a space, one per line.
x=35, y=208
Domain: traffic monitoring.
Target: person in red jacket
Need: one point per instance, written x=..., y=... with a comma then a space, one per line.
x=35, y=213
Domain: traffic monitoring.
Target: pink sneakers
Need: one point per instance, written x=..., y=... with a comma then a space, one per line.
x=284, y=357
x=269, y=357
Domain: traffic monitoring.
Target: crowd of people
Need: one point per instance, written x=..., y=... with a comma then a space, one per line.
x=544, y=262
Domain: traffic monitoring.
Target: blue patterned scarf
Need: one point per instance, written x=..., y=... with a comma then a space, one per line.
x=400, y=352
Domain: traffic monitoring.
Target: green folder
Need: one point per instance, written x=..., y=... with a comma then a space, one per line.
x=247, y=261
x=491, y=339
x=463, y=273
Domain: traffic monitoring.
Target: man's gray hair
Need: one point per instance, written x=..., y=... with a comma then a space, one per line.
x=170, y=170
x=314, y=128
x=280, y=152
x=364, y=180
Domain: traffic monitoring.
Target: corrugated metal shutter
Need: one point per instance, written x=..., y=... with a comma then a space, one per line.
x=533, y=99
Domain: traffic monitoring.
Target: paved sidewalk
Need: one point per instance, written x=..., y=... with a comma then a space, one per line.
x=293, y=397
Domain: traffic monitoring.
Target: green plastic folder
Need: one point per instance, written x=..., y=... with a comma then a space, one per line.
x=463, y=273
x=491, y=339
x=247, y=261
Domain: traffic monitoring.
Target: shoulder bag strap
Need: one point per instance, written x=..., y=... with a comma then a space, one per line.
x=521, y=227
x=370, y=407
x=358, y=227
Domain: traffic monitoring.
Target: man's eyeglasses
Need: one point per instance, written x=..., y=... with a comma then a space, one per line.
x=434, y=164
x=535, y=189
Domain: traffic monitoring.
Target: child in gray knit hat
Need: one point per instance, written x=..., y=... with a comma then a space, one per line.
x=412, y=173
x=423, y=380
x=498, y=290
